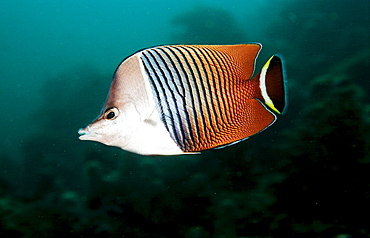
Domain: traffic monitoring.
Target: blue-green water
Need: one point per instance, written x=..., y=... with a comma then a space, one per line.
x=307, y=176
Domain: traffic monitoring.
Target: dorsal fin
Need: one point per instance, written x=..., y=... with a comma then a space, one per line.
x=243, y=55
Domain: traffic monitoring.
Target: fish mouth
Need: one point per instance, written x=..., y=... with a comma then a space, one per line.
x=81, y=131
x=86, y=134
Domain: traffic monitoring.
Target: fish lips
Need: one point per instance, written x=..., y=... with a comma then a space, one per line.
x=86, y=134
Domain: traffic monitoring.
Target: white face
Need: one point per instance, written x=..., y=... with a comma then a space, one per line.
x=130, y=119
x=131, y=130
x=114, y=127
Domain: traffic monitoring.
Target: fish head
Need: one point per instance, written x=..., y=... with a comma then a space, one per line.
x=114, y=126
x=125, y=108
x=130, y=119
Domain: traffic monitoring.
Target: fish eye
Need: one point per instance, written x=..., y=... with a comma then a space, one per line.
x=111, y=113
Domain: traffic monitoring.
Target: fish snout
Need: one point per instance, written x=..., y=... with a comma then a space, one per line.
x=84, y=133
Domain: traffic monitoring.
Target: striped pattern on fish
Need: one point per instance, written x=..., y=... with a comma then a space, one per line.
x=200, y=93
x=181, y=99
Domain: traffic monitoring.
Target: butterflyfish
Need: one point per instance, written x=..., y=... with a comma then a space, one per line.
x=179, y=99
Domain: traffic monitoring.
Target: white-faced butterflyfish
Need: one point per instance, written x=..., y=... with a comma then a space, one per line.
x=180, y=99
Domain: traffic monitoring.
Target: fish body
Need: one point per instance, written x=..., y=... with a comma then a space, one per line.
x=180, y=99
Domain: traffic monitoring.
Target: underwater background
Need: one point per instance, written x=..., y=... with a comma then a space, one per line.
x=306, y=176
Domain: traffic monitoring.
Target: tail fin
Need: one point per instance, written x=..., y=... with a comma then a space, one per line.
x=272, y=83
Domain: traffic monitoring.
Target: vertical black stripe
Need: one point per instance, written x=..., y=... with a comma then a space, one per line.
x=147, y=64
x=166, y=81
x=222, y=82
x=197, y=89
x=186, y=127
x=155, y=67
x=169, y=79
x=181, y=58
x=216, y=77
x=226, y=80
x=233, y=90
x=185, y=83
x=208, y=78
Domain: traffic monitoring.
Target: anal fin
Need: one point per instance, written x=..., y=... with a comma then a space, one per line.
x=254, y=118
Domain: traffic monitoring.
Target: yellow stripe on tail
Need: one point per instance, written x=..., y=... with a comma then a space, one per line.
x=272, y=84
